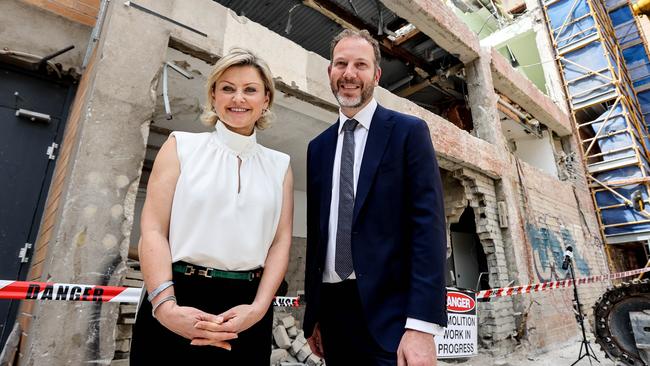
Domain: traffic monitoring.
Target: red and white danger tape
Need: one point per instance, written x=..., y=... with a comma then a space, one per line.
x=26, y=290
x=538, y=287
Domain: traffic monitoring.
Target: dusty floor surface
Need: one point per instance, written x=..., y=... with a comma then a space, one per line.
x=561, y=355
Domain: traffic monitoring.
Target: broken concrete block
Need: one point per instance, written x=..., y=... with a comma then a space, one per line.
x=295, y=347
x=281, y=337
x=292, y=359
x=278, y=355
x=123, y=331
x=304, y=352
x=288, y=321
x=313, y=360
x=301, y=337
x=292, y=332
x=123, y=345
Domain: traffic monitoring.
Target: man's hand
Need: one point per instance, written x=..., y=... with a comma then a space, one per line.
x=416, y=349
x=315, y=342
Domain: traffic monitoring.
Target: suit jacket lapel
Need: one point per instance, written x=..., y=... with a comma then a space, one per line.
x=327, y=164
x=378, y=136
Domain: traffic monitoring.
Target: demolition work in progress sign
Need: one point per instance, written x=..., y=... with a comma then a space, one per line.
x=461, y=335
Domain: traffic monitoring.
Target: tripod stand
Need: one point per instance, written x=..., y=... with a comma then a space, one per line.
x=588, y=351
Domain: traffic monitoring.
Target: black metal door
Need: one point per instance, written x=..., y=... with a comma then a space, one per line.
x=32, y=109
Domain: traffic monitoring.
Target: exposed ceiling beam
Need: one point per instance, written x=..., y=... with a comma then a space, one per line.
x=326, y=10
x=345, y=18
x=431, y=81
x=407, y=37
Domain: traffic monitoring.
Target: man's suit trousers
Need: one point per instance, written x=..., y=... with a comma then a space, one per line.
x=344, y=330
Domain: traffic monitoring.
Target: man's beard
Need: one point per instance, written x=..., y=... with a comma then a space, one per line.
x=353, y=102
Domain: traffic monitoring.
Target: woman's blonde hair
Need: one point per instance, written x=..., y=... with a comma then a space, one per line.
x=238, y=57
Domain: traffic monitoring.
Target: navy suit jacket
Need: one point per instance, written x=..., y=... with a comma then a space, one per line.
x=398, y=230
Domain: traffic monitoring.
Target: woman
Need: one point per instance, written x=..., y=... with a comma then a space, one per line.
x=216, y=230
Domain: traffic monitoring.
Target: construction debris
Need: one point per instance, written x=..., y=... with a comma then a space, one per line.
x=290, y=347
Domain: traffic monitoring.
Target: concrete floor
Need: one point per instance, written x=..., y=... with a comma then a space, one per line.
x=562, y=355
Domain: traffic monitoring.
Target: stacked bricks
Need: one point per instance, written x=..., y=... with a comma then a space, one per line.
x=496, y=323
x=290, y=347
x=126, y=319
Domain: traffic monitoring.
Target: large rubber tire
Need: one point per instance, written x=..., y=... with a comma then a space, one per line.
x=611, y=324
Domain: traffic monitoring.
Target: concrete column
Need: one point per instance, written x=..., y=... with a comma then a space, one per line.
x=554, y=86
x=487, y=126
x=483, y=100
x=92, y=235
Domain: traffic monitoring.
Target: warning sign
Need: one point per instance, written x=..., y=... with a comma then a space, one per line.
x=461, y=335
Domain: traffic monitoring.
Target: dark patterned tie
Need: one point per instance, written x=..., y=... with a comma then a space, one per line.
x=343, y=257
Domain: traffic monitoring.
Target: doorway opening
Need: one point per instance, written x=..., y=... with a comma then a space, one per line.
x=468, y=262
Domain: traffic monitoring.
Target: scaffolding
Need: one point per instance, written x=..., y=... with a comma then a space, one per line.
x=635, y=51
x=606, y=109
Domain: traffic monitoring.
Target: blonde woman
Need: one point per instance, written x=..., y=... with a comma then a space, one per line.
x=216, y=230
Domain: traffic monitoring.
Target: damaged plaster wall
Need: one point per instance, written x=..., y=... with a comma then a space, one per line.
x=20, y=31
x=91, y=240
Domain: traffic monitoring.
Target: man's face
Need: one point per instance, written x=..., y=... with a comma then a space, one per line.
x=353, y=73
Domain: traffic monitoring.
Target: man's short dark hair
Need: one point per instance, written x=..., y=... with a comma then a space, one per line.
x=363, y=34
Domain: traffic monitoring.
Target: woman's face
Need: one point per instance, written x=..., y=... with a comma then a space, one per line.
x=239, y=98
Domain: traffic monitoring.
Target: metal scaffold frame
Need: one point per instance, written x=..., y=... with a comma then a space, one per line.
x=606, y=113
x=634, y=49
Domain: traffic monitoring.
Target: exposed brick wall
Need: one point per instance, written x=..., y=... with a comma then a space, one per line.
x=80, y=11
x=558, y=215
x=496, y=323
x=547, y=215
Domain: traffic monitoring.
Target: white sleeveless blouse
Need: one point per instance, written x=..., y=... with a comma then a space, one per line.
x=212, y=223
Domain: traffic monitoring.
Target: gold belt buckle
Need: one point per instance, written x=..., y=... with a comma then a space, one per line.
x=189, y=270
x=206, y=272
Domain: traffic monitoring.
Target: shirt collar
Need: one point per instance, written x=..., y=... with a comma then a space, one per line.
x=364, y=116
x=239, y=144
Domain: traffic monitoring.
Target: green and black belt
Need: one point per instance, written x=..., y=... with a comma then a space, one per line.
x=194, y=270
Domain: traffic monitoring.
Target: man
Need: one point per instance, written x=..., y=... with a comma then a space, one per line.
x=376, y=238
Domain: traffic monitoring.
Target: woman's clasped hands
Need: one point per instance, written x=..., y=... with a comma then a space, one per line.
x=233, y=321
x=191, y=323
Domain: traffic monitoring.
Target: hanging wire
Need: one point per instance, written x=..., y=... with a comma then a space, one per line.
x=354, y=9
x=287, y=29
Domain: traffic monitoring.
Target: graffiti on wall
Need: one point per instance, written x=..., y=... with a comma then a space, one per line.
x=548, y=253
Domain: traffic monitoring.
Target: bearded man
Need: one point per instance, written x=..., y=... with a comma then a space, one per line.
x=376, y=237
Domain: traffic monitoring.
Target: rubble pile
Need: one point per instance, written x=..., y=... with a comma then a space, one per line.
x=290, y=347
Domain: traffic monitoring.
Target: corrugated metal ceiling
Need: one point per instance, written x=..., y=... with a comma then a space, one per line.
x=314, y=31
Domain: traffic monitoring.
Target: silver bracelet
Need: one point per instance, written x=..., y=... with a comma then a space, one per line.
x=168, y=298
x=163, y=286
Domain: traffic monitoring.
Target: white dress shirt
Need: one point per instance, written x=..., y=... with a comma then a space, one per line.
x=364, y=117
